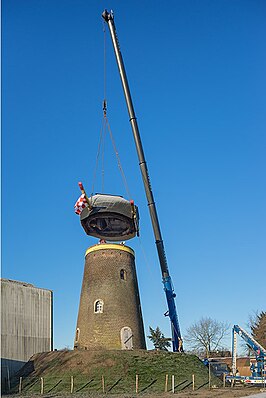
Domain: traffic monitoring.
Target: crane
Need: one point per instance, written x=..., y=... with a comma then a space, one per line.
x=167, y=282
x=259, y=351
x=258, y=369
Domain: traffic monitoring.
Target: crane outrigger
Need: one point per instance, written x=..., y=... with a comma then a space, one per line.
x=167, y=282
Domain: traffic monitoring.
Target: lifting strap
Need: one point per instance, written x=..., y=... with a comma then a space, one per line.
x=100, y=152
x=103, y=131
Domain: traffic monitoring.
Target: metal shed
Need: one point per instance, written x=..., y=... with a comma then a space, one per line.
x=26, y=325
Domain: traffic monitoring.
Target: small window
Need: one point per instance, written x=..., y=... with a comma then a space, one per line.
x=123, y=274
x=98, y=307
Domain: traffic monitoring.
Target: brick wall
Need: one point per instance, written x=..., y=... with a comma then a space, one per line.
x=104, y=281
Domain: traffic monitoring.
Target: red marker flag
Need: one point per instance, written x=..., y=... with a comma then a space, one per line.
x=80, y=204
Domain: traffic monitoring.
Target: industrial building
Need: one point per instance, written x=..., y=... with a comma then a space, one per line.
x=26, y=325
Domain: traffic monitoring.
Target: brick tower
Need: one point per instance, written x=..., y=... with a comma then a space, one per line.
x=109, y=311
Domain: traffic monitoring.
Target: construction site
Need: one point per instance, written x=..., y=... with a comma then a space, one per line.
x=109, y=356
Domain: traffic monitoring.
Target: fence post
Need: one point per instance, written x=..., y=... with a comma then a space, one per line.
x=173, y=384
x=8, y=379
x=209, y=375
x=20, y=385
x=193, y=382
x=103, y=386
x=166, y=383
x=137, y=383
x=71, y=385
x=42, y=385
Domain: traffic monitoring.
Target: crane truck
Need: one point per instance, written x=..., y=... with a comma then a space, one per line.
x=258, y=372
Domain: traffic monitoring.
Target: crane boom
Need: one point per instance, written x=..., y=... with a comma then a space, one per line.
x=257, y=348
x=168, y=287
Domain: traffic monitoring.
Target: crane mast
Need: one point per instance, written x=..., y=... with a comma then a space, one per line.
x=168, y=287
x=259, y=351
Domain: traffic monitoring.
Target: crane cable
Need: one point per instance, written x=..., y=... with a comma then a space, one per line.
x=104, y=128
x=118, y=160
x=104, y=101
x=99, y=150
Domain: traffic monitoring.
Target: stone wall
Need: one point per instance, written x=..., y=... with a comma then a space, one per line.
x=109, y=312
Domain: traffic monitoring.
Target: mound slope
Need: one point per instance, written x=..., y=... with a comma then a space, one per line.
x=88, y=371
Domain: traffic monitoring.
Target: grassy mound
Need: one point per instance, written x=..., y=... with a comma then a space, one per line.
x=113, y=371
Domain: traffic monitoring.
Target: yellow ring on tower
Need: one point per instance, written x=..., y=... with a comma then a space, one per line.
x=113, y=246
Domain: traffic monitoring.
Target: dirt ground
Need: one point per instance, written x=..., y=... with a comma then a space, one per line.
x=217, y=393
x=235, y=392
x=221, y=393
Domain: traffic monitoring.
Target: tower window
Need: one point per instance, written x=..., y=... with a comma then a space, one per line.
x=123, y=274
x=98, y=307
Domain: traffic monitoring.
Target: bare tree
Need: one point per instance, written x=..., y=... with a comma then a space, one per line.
x=206, y=336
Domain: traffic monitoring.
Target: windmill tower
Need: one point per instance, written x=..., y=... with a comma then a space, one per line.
x=109, y=314
x=109, y=311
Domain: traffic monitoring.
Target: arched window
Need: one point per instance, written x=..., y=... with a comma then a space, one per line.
x=98, y=307
x=123, y=274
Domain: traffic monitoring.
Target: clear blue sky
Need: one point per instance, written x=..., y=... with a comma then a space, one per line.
x=197, y=74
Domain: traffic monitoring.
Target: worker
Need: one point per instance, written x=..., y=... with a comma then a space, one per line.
x=180, y=344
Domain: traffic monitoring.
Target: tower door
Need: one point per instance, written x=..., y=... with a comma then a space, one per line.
x=126, y=338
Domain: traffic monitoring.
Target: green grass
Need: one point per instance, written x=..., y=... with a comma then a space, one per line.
x=118, y=368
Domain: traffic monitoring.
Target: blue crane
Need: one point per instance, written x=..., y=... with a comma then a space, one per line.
x=167, y=282
x=259, y=351
x=257, y=369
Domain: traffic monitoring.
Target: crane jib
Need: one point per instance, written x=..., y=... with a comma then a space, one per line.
x=170, y=295
x=259, y=351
